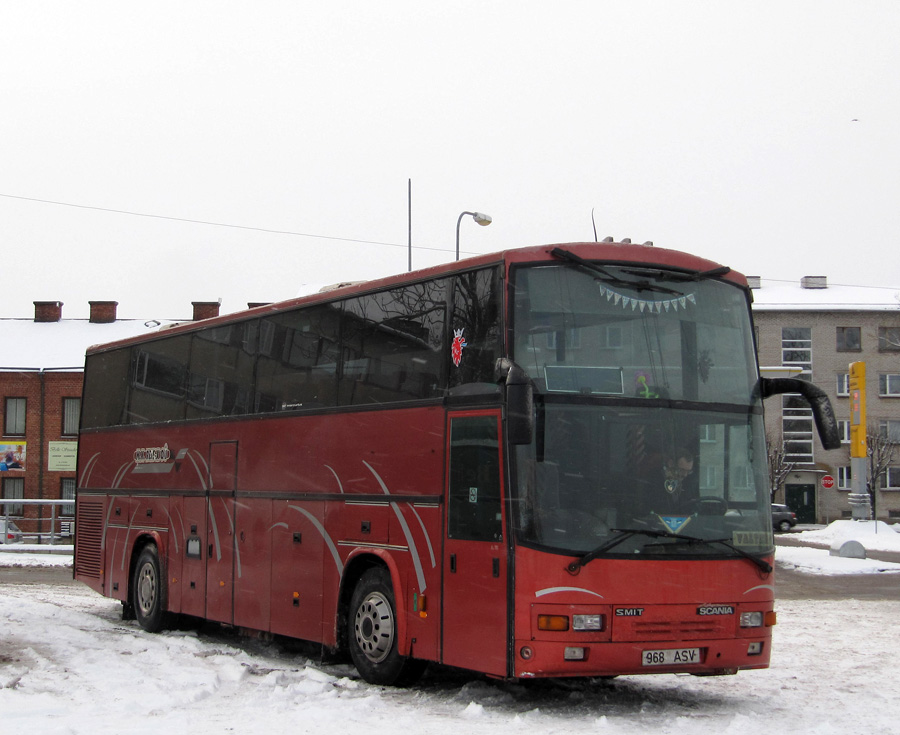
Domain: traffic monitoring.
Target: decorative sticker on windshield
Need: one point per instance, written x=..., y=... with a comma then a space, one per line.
x=674, y=523
x=457, y=347
x=680, y=302
x=643, y=389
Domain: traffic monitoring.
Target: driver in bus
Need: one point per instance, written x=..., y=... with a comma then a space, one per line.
x=665, y=486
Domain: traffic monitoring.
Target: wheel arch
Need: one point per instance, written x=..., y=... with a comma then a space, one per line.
x=143, y=540
x=359, y=562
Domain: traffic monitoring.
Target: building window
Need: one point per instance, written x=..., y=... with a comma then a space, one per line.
x=15, y=417
x=889, y=384
x=889, y=339
x=71, y=416
x=709, y=477
x=573, y=339
x=14, y=489
x=849, y=339
x=892, y=478
x=797, y=429
x=67, y=492
x=890, y=429
x=844, y=430
x=843, y=384
x=844, y=478
x=796, y=348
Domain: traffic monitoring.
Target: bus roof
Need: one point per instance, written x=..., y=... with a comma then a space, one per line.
x=611, y=253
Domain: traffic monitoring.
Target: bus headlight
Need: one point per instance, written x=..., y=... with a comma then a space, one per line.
x=587, y=622
x=751, y=619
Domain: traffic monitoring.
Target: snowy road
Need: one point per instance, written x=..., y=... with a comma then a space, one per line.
x=68, y=664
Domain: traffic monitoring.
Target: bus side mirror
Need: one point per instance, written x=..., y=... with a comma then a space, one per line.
x=519, y=401
x=822, y=411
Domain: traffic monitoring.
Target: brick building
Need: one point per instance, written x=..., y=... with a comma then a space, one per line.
x=820, y=329
x=41, y=375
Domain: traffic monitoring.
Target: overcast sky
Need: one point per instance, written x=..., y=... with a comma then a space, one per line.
x=763, y=135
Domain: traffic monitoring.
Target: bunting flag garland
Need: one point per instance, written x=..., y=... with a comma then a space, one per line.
x=680, y=302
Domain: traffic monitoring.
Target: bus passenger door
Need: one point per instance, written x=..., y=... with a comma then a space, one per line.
x=474, y=629
x=220, y=546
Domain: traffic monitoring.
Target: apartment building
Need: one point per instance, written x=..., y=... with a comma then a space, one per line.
x=821, y=328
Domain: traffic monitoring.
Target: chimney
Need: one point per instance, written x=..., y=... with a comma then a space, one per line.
x=814, y=282
x=255, y=304
x=48, y=311
x=205, y=309
x=103, y=312
x=754, y=281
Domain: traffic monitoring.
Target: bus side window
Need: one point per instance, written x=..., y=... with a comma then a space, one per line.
x=474, y=492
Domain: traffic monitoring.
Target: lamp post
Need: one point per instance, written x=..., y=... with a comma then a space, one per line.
x=482, y=219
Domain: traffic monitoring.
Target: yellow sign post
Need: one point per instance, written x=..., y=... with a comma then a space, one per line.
x=859, y=466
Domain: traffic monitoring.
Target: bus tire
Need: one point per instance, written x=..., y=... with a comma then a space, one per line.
x=372, y=633
x=148, y=591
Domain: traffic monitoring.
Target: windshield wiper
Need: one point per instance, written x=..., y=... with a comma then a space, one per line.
x=626, y=533
x=609, y=277
x=761, y=563
x=683, y=277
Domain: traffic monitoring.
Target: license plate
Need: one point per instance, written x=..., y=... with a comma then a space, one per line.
x=671, y=657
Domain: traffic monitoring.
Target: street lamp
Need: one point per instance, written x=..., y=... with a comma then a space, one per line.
x=482, y=219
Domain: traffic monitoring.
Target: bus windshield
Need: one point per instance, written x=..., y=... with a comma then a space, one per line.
x=647, y=417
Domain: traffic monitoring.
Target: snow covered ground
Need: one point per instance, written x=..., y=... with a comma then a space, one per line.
x=69, y=664
x=874, y=536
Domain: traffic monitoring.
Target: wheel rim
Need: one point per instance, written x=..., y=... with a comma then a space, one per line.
x=374, y=627
x=147, y=585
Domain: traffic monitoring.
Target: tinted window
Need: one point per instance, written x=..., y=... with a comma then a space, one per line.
x=474, y=493
x=106, y=381
x=392, y=342
x=159, y=380
x=298, y=358
x=475, y=327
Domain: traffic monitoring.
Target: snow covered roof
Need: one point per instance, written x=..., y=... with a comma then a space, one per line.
x=775, y=295
x=25, y=343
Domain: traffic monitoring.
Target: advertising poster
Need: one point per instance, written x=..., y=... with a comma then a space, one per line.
x=12, y=457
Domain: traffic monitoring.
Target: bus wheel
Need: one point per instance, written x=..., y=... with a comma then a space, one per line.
x=373, y=633
x=147, y=591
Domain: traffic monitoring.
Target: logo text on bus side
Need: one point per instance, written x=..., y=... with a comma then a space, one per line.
x=145, y=455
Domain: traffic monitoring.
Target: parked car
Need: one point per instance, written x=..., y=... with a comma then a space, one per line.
x=783, y=518
x=9, y=533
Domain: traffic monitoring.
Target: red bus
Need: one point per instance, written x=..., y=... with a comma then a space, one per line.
x=546, y=462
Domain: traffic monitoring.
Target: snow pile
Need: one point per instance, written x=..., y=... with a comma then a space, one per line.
x=873, y=535
x=34, y=555
x=820, y=561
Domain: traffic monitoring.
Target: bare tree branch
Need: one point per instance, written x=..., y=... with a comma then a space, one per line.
x=779, y=467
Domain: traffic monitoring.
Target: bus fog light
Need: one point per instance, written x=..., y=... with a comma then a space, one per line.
x=751, y=619
x=587, y=622
x=573, y=653
x=526, y=653
x=755, y=648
